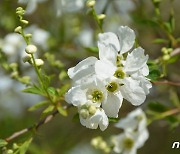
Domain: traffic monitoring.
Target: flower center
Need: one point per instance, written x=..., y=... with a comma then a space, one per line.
x=128, y=143
x=112, y=86
x=119, y=74
x=97, y=96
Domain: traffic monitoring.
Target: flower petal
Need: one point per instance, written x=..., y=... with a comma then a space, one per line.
x=82, y=69
x=132, y=92
x=75, y=96
x=107, y=39
x=126, y=38
x=135, y=60
x=104, y=69
x=112, y=104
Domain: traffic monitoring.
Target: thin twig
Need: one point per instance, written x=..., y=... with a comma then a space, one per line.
x=175, y=52
x=167, y=82
x=35, y=126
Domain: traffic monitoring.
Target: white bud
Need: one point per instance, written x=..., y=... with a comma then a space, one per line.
x=26, y=58
x=84, y=113
x=39, y=62
x=18, y=29
x=166, y=57
x=28, y=35
x=90, y=3
x=101, y=16
x=30, y=49
x=92, y=110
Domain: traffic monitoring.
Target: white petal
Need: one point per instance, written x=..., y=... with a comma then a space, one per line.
x=126, y=37
x=104, y=70
x=145, y=70
x=107, y=53
x=108, y=38
x=104, y=122
x=82, y=69
x=143, y=136
x=132, y=92
x=135, y=60
x=112, y=104
x=76, y=96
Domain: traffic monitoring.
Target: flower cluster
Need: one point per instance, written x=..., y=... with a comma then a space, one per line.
x=99, y=86
x=135, y=133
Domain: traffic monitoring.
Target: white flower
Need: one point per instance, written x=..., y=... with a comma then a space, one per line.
x=111, y=98
x=114, y=64
x=128, y=143
x=92, y=117
x=134, y=121
x=135, y=133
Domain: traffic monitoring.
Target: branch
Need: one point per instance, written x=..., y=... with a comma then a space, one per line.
x=35, y=126
x=175, y=52
x=167, y=82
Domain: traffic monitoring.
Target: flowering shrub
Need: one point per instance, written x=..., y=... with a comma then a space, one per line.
x=85, y=61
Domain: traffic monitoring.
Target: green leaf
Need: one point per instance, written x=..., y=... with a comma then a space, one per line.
x=38, y=105
x=3, y=143
x=62, y=111
x=159, y=40
x=154, y=71
x=24, y=147
x=52, y=91
x=63, y=89
x=35, y=90
x=173, y=59
x=49, y=109
x=174, y=98
x=157, y=107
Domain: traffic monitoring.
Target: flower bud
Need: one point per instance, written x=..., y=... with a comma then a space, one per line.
x=24, y=22
x=27, y=58
x=14, y=74
x=101, y=16
x=90, y=3
x=13, y=66
x=84, y=113
x=30, y=49
x=28, y=35
x=15, y=146
x=39, y=62
x=25, y=79
x=10, y=151
x=18, y=29
x=92, y=110
x=166, y=57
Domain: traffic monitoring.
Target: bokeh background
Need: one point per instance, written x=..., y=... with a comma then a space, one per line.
x=64, y=29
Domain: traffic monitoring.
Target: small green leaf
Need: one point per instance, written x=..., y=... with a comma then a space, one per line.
x=3, y=143
x=92, y=49
x=63, y=89
x=174, y=98
x=154, y=71
x=24, y=147
x=157, y=107
x=35, y=90
x=52, y=91
x=159, y=40
x=49, y=109
x=38, y=105
x=62, y=111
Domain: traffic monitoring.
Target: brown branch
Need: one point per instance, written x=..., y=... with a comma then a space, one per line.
x=167, y=82
x=35, y=126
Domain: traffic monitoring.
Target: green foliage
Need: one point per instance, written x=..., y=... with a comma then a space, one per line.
x=154, y=71
x=35, y=90
x=24, y=147
x=61, y=110
x=38, y=105
x=2, y=143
